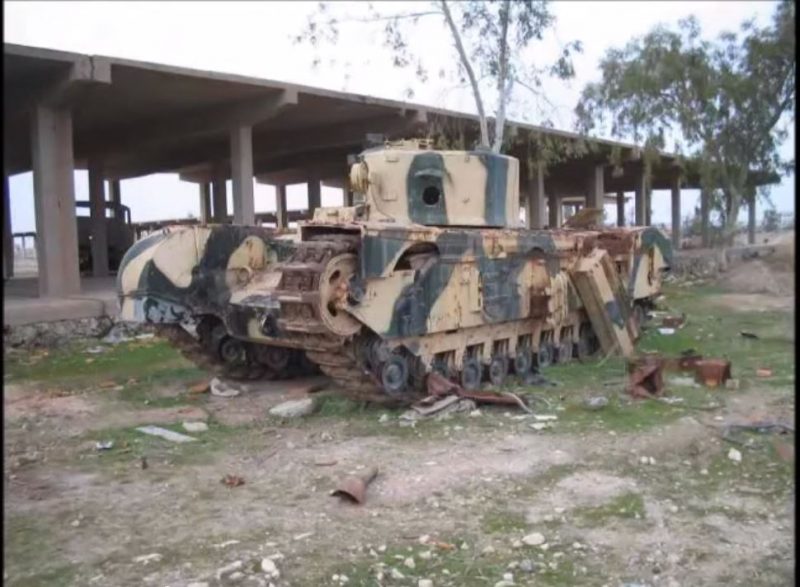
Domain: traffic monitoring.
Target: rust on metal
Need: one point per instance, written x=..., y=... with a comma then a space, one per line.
x=354, y=489
x=673, y=321
x=438, y=386
x=645, y=376
x=763, y=372
x=712, y=372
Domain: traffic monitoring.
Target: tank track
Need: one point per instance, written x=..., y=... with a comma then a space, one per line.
x=199, y=351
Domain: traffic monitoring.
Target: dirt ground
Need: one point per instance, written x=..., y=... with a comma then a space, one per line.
x=636, y=493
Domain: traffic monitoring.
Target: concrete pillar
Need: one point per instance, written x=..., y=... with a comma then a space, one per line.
x=281, y=217
x=751, y=215
x=205, y=203
x=8, y=239
x=705, y=209
x=244, y=211
x=220, y=198
x=54, y=202
x=97, y=206
x=676, y=213
x=115, y=196
x=620, y=208
x=595, y=190
x=648, y=209
x=553, y=211
x=314, y=195
x=640, y=188
x=535, y=206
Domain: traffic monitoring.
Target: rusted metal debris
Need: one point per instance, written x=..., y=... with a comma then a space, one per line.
x=712, y=372
x=439, y=386
x=763, y=372
x=232, y=480
x=674, y=321
x=354, y=489
x=646, y=376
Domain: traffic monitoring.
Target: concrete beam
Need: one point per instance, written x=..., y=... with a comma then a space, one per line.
x=8, y=233
x=535, y=206
x=244, y=211
x=676, y=213
x=270, y=145
x=205, y=203
x=62, y=90
x=620, y=208
x=220, y=200
x=97, y=213
x=176, y=129
x=281, y=220
x=297, y=175
x=54, y=202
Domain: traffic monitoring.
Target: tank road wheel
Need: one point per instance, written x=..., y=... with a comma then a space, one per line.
x=333, y=283
x=471, y=373
x=394, y=375
x=565, y=351
x=498, y=370
x=523, y=361
x=232, y=351
x=275, y=357
x=544, y=358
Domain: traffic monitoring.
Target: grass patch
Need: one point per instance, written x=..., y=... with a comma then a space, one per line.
x=31, y=555
x=72, y=366
x=504, y=521
x=627, y=506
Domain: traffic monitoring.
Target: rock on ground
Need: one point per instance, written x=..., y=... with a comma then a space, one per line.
x=296, y=408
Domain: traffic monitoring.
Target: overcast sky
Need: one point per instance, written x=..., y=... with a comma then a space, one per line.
x=254, y=38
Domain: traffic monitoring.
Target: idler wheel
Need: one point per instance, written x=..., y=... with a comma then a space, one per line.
x=498, y=370
x=523, y=361
x=471, y=372
x=333, y=288
x=394, y=375
x=544, y=358
x=565, y=351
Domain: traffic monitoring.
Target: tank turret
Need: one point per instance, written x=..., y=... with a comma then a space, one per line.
x=410, y=183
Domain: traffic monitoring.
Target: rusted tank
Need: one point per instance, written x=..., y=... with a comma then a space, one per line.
x=429, y=271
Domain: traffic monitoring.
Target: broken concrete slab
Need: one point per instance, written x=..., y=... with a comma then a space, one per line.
x=294, y=408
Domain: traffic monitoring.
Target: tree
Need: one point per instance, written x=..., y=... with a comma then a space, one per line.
x=489, y=39
x=728, y=103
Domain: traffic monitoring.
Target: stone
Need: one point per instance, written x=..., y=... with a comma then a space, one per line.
x=409, y=562
x=165, y=434
x=223, y=572
x=297, y=408
x=269, y=568
x=384, y=418
x=235, y=577
x=735, y=455
x=425, y=555
x=198, y=584
x=424, y=583
x=395, y=574
x=596, y=402
x=508, y=577
x=148, y=558
x=535, y=539
x=527, y=565
x=488, y=550
x=195, y=426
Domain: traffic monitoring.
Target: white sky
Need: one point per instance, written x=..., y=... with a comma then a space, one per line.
x=254, y=38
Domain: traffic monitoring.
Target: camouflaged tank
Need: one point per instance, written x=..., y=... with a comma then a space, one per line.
x=430, y=270
x=183, y=276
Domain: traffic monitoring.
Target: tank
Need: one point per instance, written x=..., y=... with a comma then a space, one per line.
x=430, y=270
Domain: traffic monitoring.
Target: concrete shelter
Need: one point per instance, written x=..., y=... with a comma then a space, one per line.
x=121, y=119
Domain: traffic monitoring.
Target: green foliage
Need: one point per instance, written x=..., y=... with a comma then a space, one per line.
x=730, y=101
x=489, y=42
